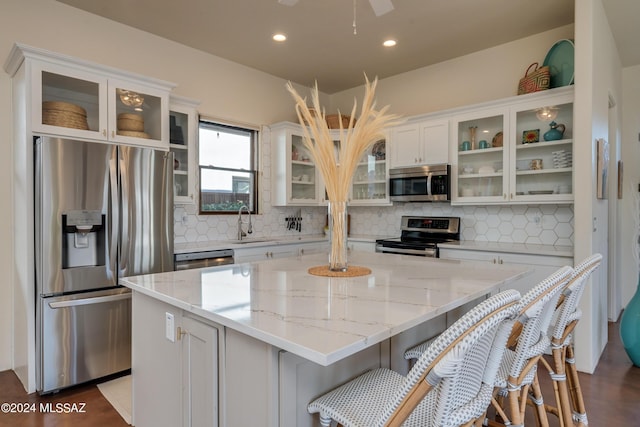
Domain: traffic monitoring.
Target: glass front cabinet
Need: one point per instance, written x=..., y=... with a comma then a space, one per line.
x=520, y=152
x=75, y=99
x=295, y=179
x=370, y=185
x=183, y=135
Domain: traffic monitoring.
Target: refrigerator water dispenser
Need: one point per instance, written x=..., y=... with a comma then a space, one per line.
x=83, y=233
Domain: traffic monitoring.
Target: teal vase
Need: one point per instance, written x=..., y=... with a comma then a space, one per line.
x=630, y=328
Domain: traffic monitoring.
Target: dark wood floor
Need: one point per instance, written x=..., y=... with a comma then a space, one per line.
x=612, y=397
x=97, y=410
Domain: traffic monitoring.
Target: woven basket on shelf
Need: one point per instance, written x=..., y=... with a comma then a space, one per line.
x=64, y=114
x=333, y=121
x=130, y=122
x=133, y=133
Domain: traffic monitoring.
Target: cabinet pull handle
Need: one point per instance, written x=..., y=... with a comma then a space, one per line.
x=500, y=261
x=180, y=332
x=511, y=195
x=504, y=195
x=494, y=260
x=113, y=134
x=104, y=132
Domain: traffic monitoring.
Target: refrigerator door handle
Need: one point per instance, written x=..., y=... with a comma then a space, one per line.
x=114, y=214
x=123, y=212
x=87, y=301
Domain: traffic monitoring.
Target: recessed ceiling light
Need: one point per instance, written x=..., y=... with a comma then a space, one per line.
x=389, y=43
x=279, y=37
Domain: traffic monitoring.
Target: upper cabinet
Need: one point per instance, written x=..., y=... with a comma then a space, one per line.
x=295, y=178
x=423, y=142
x=370, y=184
x=517, y=152
x=183, y=143
x=296, y=181
x=73, y=98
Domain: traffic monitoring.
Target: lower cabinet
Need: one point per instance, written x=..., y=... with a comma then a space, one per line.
x=175, y=368
x=361, y=246
x=258, y=253
x=542, y=265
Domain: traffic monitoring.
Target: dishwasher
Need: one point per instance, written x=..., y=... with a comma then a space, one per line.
x=200, y=259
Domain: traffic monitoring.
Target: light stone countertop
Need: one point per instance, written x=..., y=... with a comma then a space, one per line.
x=252, y=242
x=319, y=318
x=520, y=248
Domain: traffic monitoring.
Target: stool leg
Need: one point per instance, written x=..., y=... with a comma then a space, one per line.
x=535, y=397
x=579, y=408
x=324, y=420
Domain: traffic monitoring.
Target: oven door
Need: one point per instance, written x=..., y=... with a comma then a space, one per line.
x=406, y=249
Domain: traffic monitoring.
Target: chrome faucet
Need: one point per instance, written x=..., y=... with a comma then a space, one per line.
x=241, y=232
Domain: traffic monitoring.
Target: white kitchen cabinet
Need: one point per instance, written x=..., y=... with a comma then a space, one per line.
x=155, y=364
x=175, y=366
x=282, y=250
x=505, y=171
x=361, y=246
x=542, y=265
x=72, y=98
x=183, y=143
x=200, y=367
x=420, y=143
x=370, y=185
x=295, y=179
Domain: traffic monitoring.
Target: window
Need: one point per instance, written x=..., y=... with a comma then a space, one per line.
x=227, y=165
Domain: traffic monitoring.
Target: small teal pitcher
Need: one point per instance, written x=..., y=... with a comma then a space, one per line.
x=555, y=133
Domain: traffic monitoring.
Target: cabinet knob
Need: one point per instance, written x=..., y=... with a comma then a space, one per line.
x=504, y=196
x=511, y=196
x=104, y=132
x=113, y=134
x=500, y=261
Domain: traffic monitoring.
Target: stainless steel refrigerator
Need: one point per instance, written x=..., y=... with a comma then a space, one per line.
x=102, y=212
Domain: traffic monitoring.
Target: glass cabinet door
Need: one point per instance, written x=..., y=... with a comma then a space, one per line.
x=178, y=144
x=69, y=102
x=370, y=185
x=137, y=113
x=303, y=179
x=481, y=158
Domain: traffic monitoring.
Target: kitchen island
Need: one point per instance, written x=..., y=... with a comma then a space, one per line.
x=253, y=343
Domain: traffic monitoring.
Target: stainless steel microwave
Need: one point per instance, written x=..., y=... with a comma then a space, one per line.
x=420, y=184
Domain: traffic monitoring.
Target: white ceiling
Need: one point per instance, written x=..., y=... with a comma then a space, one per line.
x=321, y=45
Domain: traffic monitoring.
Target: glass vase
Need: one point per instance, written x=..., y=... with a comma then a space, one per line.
x=630, y=328
x=338, y=236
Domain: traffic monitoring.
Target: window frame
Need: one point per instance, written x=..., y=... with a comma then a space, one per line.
x=254, y=137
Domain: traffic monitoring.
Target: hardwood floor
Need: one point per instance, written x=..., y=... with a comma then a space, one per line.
x=611, y=395
x=42, y=411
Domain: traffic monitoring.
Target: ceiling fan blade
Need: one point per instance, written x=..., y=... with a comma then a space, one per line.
x=288, y=2
x=380, y=7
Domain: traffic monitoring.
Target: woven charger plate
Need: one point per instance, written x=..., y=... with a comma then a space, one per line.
x=352, y=271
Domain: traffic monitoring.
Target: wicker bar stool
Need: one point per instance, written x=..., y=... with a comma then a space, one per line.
x=525, y=346
x=517, y=379
x=570, y=406
x=451, y=384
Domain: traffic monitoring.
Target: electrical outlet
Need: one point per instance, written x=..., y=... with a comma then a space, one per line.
x=170, y=326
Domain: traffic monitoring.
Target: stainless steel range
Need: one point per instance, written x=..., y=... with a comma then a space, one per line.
x=420, y=236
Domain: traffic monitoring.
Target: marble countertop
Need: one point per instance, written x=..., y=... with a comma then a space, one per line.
x=521, y=248
x=319, y=318
x=252, y=242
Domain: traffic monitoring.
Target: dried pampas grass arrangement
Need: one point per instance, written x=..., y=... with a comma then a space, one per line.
x=338, y=167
